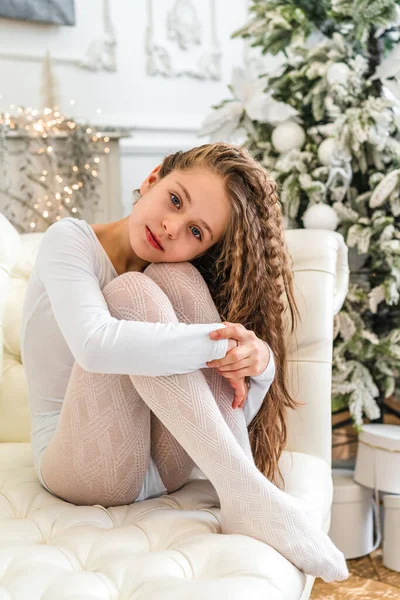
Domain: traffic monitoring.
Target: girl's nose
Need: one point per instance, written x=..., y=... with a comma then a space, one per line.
x=171, y=228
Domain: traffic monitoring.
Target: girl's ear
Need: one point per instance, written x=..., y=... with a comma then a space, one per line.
x=150, y=180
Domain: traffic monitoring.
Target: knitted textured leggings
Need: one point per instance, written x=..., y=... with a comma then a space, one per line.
x=109, y=424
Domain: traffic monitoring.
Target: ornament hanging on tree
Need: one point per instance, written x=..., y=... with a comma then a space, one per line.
x=320, y=216
x=338, y=73
x=326, y=151
x=288, y=136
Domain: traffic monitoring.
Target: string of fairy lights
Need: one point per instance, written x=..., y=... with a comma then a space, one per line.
x=58, y=166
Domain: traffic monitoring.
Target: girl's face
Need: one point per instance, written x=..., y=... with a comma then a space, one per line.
x=188, y=212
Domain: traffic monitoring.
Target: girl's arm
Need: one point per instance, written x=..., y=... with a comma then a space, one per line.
x=259, y=386
x=100, y=343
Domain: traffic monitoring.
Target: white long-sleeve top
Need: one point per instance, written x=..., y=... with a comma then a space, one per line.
x=66, y=319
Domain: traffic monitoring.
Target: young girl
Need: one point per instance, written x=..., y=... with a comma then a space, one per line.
x=150, y=344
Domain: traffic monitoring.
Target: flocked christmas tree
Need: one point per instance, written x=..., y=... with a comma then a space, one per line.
x=326, y=125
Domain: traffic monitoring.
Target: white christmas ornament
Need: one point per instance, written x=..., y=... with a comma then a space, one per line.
x=320, y=216
x=288, y=136
x=326, y=150
x=338, y=73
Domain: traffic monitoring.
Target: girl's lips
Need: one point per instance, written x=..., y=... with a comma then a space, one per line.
x=151, y=239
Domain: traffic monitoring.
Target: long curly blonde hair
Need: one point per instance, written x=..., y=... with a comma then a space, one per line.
x=249, y=275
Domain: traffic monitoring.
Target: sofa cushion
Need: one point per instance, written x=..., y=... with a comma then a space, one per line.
x=169, y=547
x=15, y=422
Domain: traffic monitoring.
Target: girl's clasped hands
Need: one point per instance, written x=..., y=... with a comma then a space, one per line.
x=247, y=355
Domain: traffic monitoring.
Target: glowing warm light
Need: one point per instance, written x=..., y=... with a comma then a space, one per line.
x=49, y=124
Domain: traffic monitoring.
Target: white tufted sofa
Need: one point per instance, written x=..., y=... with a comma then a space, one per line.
x=171, y=547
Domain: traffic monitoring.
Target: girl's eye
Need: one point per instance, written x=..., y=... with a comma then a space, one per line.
x=173, y=196
x=199, y=238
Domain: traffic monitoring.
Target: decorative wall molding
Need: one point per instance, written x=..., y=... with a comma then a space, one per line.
x=160, y=135
x=150, y=122
x=176, y=41
x=100, y=55
x=155, y=149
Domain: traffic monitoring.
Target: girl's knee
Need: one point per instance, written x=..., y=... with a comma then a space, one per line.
x=129, y=283
x=183, y=268
x=127, y=294
x=182, y=275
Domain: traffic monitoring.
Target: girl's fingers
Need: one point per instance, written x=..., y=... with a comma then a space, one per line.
x=241, y=364
x=240, y=389
x=232, y=358
x=235, y=374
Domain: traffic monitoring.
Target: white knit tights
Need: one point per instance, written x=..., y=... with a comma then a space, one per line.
x=100, y=450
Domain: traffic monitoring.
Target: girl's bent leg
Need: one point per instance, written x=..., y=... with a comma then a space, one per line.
x=250, y=504
x=100, y=450
x=192, y=303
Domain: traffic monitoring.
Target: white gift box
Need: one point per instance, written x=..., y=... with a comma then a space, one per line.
x=391, y=537
x=352, y=515
x=378, y=457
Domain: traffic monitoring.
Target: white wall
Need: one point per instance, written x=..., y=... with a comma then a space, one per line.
x=165, y=113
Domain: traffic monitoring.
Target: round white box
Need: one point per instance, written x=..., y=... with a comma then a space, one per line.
x=352, y=515
x=391, y=536
x=378, y=457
